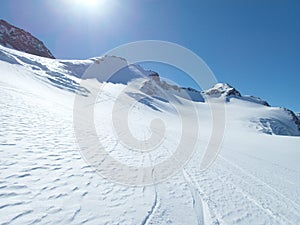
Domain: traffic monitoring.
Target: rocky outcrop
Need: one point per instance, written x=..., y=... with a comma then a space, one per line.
x=18, y=39
x=228, y=92
x=222, y=89
x=294, y=117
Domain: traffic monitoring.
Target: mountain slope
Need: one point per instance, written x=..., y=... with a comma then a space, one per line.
x=66, y=75
x=46, y=179
x=16, y=38
x=273, y=121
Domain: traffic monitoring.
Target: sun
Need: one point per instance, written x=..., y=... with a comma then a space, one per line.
x=90, y=8
x=90, y=3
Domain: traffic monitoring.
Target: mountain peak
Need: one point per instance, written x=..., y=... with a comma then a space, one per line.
x=21, y=40
x=222, y=89
x=228, y=92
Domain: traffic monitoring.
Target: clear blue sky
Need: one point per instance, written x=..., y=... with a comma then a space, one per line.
x=252, y=45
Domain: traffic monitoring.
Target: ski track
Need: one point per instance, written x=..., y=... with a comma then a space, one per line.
x=155, y=204
x=268, y=198
x=197, y=201
x=233, y=184
x=152, y=210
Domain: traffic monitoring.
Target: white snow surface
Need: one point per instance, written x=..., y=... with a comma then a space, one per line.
x=45, y=180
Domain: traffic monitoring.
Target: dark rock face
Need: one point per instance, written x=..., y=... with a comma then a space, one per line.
x=159, y=88
x=154, y=76
x=222, y=89
x=228, y=92
x=18, y=39
x=294, y=117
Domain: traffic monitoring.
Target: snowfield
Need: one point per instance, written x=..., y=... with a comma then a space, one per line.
x=45, y=178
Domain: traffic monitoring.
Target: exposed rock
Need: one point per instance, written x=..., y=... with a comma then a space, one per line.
x=222, y=89
x=294, y=117
x=18, y=39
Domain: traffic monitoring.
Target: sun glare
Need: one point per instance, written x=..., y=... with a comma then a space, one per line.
x=90, y=8
x=91, y=4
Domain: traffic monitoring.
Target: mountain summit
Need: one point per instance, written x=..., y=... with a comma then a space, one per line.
x=18, y=39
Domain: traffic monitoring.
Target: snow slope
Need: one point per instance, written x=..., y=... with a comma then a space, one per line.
x=44, y=178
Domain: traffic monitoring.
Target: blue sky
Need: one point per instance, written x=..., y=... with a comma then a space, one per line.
x=252, y=45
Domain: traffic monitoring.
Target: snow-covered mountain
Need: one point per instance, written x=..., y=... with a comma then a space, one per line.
x=66, y=75
x=280, y=121
x=16, y=38
x=45, y=177
x=226, y=91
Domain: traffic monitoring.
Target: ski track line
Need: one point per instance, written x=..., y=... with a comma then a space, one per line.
x=268, y=210
x=196, y=191
x=260, y=206
x=197, y=201
x=214, y=216
x=155, y=204
x=261, y=181
x=152, y=210
x=273, y=164
x=247, y=196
